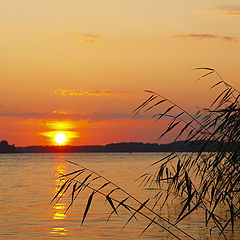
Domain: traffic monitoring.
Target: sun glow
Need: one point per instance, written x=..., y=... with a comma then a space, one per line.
x=61, y=132
x=60, y=138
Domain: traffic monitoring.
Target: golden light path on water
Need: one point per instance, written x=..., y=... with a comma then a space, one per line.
x=60, y=207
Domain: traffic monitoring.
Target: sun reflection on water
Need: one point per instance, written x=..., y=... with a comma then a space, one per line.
x=60, y=208
x=59, y=230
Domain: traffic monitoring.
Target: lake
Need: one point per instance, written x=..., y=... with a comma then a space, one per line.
x=28, y=183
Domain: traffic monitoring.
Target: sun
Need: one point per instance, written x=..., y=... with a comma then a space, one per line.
x=60, y=138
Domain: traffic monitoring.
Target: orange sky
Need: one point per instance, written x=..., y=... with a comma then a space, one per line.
x=84, y=65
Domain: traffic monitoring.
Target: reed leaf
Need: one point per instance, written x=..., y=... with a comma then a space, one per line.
x=87, y=206
x=138, y=210
x=111, y=204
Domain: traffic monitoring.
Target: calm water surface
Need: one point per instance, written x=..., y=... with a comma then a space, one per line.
x=27, y=185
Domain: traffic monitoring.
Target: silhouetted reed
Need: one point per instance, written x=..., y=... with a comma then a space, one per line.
x=205, y=180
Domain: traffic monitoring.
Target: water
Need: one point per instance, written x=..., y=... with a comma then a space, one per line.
x=27, y=185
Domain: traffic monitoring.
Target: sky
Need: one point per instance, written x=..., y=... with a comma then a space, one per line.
x=82, y=67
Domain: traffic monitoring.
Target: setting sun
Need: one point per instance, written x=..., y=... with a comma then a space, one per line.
x=60, y=138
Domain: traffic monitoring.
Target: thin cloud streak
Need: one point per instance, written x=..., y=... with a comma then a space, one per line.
x=105, y=93
x=230, y=10
x=94, y=117
x=233, y=13
x=86, y=35
x=94, y=38
x=86, y=38
x=207, y=36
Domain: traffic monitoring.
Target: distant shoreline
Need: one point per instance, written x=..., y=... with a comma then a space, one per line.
x=121, y=147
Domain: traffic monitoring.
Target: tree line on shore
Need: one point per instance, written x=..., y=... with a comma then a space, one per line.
x=179, y=146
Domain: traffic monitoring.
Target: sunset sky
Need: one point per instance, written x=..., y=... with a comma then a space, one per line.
x=81, y=67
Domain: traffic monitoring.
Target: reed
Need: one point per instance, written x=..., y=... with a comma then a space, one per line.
x=203, y=179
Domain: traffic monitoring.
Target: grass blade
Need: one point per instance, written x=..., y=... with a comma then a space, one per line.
x=87, y=206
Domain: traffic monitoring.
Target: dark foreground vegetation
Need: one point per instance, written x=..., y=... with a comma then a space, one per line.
x=202, y=182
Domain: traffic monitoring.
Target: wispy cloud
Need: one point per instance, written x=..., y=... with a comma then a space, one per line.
x=230, y=10
x=95, y=38
x=25, y=115
x=87, y=41
x=86, y=38
x=79, y=92
x=86, y=35
x=207, y=36
x=233, y=13
x=93, y=117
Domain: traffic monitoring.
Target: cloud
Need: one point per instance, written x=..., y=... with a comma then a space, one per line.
x=90, y=41
x=207, y=36
x=94, y=38
x=79, y=92
x=233, y=13
x=86, y=35
x=25, y=115
x=87, y=41
x=93, y=117
x=230, y=10
x=86, y=38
